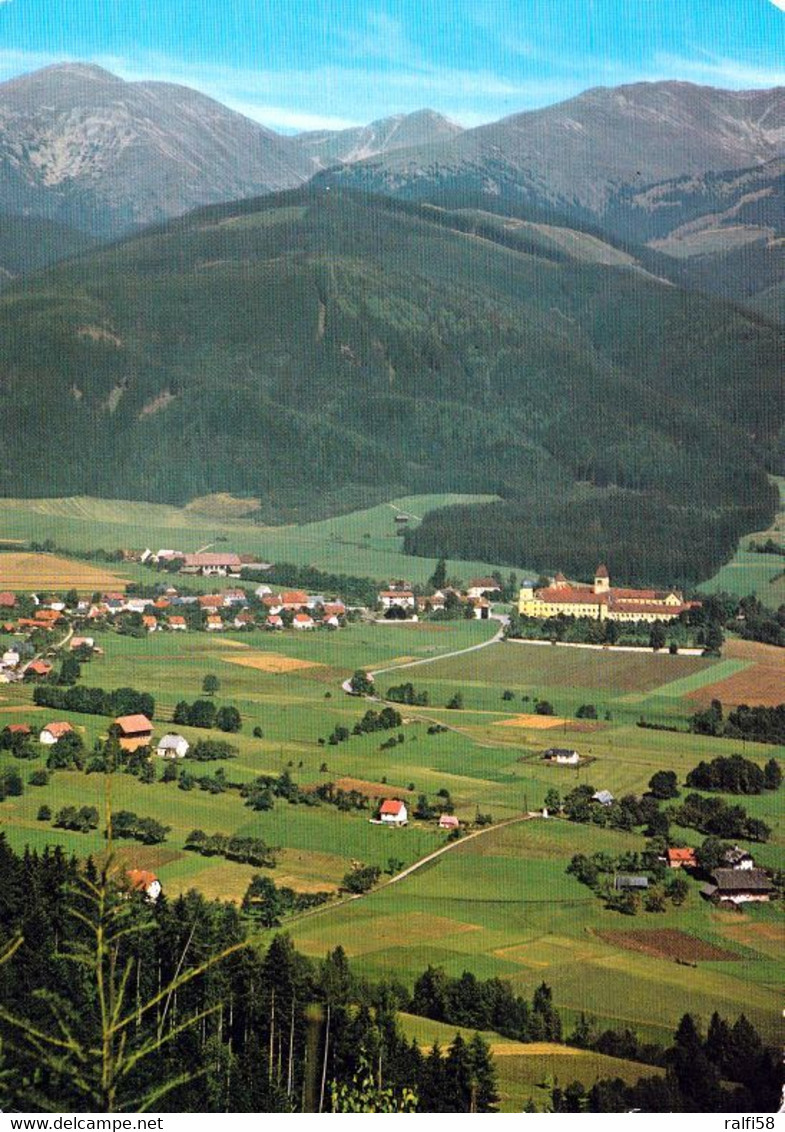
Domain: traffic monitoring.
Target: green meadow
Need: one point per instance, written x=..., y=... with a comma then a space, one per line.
x=364, y=542
x=500, y=904
x=750, y=572
x=528, y=1071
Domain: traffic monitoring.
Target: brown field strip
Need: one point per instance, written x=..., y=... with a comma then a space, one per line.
x=535, y=722
x=271, y=662
x=24, y=708
x=762, y=683
x=27, y=571
x=371, y=789
x=668, y=943
x=534, y=1049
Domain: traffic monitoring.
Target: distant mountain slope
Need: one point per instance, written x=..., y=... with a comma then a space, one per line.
x=28, y=243
x=318, y=349
x=727, y=230
x=401, y=131
x=576, y=154
x=83, y=147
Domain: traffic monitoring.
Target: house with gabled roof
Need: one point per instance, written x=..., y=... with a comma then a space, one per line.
x=172, y=746
x=134, y=731
x=393, y=812
x=53, y=732
x=681, y=859
x=738, y=886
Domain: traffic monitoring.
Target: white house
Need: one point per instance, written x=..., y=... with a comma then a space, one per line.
x=737, y=858
x=10, y=658
x=140, y=880
x=173, y=747
x=402, y=598
x=54, y=732
x=562, y=755
x=303, y=621
x=393, y=812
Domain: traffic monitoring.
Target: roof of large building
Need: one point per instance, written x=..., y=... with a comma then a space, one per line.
x=742, y=880
x=212, y=559
x=130, y=724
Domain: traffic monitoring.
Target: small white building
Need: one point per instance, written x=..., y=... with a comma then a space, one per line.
x=393, y=812
x=173, y=747
x=303, y=621
x=562, y=755
x=53, y=732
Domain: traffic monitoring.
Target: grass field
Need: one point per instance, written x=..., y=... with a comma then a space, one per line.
x=528, y=1071
x=363, y=542
x=500, y=904
x=749, y=572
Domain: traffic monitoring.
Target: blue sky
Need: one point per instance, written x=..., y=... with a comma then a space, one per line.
x=307, y=64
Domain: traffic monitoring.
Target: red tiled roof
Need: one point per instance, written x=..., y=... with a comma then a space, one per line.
x=177, y=620
x=141, y=879
x=212, y=560
x=392, y=807
x=686, y=856
x=40, y=667
x=131, y=724
x=7, y=598
x=18, y=728
x=58, y=729
x=295, y=597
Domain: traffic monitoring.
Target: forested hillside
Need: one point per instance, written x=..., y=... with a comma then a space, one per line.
x=317, y=348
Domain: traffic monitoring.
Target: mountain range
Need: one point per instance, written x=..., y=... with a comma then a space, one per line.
x=547, y=308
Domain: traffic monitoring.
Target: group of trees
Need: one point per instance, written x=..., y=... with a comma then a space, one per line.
x=758, y=724
x=598, y=871
x=211, y=750
x=406, y=694
x=81, y=820
x=731, y=1070
x=203, y=713
x=246, y=850
x=125, y=823
x=486, y=1004
x=95, y=701
x=735, y=775
x=715, y=816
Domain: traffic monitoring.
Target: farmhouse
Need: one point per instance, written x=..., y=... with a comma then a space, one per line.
x=172, y=747
x=562, y=755
x=134, y=731
x=738, y=886
x=38, y=668
x=211, y=565
x=404, y=599
x=82, y=642
x=303, y=621
x=141, y=880
x=483, y=587
x=393, y=812
x=737, y=858
x=600, y=601
x=53, y=732
x=177, y=623
x=681, y=859
x=449, y=821
x=604, y=797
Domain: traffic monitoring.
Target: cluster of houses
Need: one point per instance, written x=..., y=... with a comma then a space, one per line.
x=229, y=609
x=736, y=881
x=478, y=597
x=394, y=812
x=133, y=732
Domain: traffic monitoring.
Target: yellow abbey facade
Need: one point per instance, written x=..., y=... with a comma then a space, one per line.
x=601, y=601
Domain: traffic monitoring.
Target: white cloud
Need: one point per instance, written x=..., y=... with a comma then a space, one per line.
x=718, y=71
x=279, y=118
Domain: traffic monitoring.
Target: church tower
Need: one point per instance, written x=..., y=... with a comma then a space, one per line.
x=602, y=582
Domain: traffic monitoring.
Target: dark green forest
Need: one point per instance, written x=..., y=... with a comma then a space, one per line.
x=397, y=349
